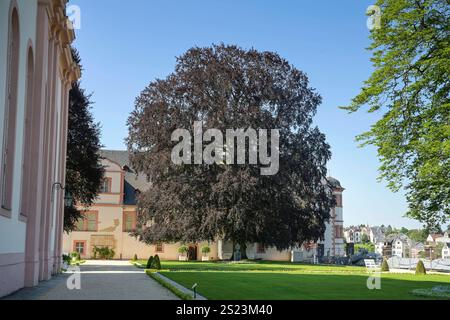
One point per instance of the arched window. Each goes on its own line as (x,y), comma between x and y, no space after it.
(9,133)
(28,136)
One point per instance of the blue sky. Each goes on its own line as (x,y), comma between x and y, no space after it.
(125,45)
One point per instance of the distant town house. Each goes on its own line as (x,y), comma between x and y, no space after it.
(444,239)
(417,250)
(434,243)
(401,247)
(377,234)
(398,245)
(356,234)
(431,239)
(446,251)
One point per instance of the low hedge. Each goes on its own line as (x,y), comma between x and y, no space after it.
(150,262)
(385,266)
(420,268)
(180,294)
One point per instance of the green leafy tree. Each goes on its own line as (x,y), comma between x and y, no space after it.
(432,228)
(84,172)
(183,250)
(206,250)
(369,247)
(410,88)
(417,235)
(389,230)
(365,238)
(438,250)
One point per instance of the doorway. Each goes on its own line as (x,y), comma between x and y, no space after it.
(192,253)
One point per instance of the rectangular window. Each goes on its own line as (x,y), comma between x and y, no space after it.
(338,198)
(106,185)
(129,221)
(89,222)
(80,247)
(10,116)
(79,226)
(260,248)
(159,248)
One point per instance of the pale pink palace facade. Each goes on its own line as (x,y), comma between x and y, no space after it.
(36,72)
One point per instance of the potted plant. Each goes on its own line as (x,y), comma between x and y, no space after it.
(183,250)
(205,253)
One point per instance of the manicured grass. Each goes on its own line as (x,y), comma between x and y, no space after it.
(165,284)
(262,280)
(261,285)
(254,266)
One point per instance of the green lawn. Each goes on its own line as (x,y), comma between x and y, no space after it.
(254,266)
(261,285)
(289,281)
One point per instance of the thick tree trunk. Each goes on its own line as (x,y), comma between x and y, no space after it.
(232,251)
(244,251)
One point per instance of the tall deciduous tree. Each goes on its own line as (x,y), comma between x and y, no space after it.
(84,172)
(410,87)
(227,87)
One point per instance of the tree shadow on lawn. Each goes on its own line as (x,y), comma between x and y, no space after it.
(300,286)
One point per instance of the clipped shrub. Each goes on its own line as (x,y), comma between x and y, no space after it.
(206,250)
(156,263)
(135,258)
(420,268)
(75,256)
(183,250)
(104,253)
(66,258)
(385,266)
(149,262)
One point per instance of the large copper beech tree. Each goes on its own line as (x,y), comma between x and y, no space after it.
(227,87)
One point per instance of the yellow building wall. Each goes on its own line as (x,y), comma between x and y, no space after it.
(110,223)
(273,254)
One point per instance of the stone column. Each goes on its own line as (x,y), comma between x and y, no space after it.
(33,233)
(59,228)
